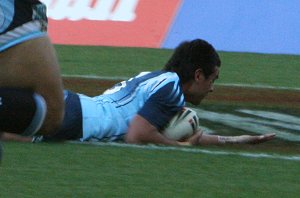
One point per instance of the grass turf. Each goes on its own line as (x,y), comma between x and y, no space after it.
(67,170)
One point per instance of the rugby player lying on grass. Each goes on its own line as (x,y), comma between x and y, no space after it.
(139,109)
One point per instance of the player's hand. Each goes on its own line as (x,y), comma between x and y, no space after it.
(261,138)
(193,140)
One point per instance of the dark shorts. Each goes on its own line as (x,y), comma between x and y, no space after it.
(71,128)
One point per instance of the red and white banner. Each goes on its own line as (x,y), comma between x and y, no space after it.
(142,23)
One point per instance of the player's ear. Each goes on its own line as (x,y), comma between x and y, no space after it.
(198,75)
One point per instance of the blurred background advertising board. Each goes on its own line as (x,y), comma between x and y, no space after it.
(263,26)
(260,26)
(141,23)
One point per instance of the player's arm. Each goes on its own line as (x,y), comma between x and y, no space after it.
(141,131)
(186,123)
(4,136)
(206,139)
(166,99)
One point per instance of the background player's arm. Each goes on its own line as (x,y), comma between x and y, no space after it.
(141,131)
(14,137)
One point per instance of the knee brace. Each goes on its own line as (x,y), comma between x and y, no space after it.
(21,111)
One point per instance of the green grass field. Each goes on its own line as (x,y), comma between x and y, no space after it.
(76,170)
(67,170)
(237,68)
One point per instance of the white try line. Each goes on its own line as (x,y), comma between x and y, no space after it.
(120,78)
(194,150)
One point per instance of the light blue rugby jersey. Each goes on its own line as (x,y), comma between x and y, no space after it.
(156,96)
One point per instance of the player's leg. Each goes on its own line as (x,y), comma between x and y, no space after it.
(21,111)
(71,127)
(32,65)
(28,60)
(49,84)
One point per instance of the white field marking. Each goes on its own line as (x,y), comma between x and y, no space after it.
(273,115)
(257,86)
(274,121)
(248,124)
(194,150)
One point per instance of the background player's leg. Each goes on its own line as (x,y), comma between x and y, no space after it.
(21,111)
(36,68)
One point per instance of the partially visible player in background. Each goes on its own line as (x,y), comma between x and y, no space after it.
(31,89)
(138,110)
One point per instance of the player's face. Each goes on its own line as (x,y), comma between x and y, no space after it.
(200,86)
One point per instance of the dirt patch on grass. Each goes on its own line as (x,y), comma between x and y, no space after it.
(90,87)
(225,94)
(258,95)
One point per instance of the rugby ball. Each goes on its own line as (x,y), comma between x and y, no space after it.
(183,125)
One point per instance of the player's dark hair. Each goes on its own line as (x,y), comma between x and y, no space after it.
(192,55)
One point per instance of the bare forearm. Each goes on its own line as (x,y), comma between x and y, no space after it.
(153,137)
(14,137)
(236,139)
(208,140)
(142,132)
(243,139)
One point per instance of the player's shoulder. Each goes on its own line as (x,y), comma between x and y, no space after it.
(164,76)
(164,84)
(170,78)
(171,75)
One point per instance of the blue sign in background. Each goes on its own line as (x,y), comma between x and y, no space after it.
(264,26)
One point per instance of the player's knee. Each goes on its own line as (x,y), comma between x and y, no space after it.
(54,118)
(21,111)
(52,125)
